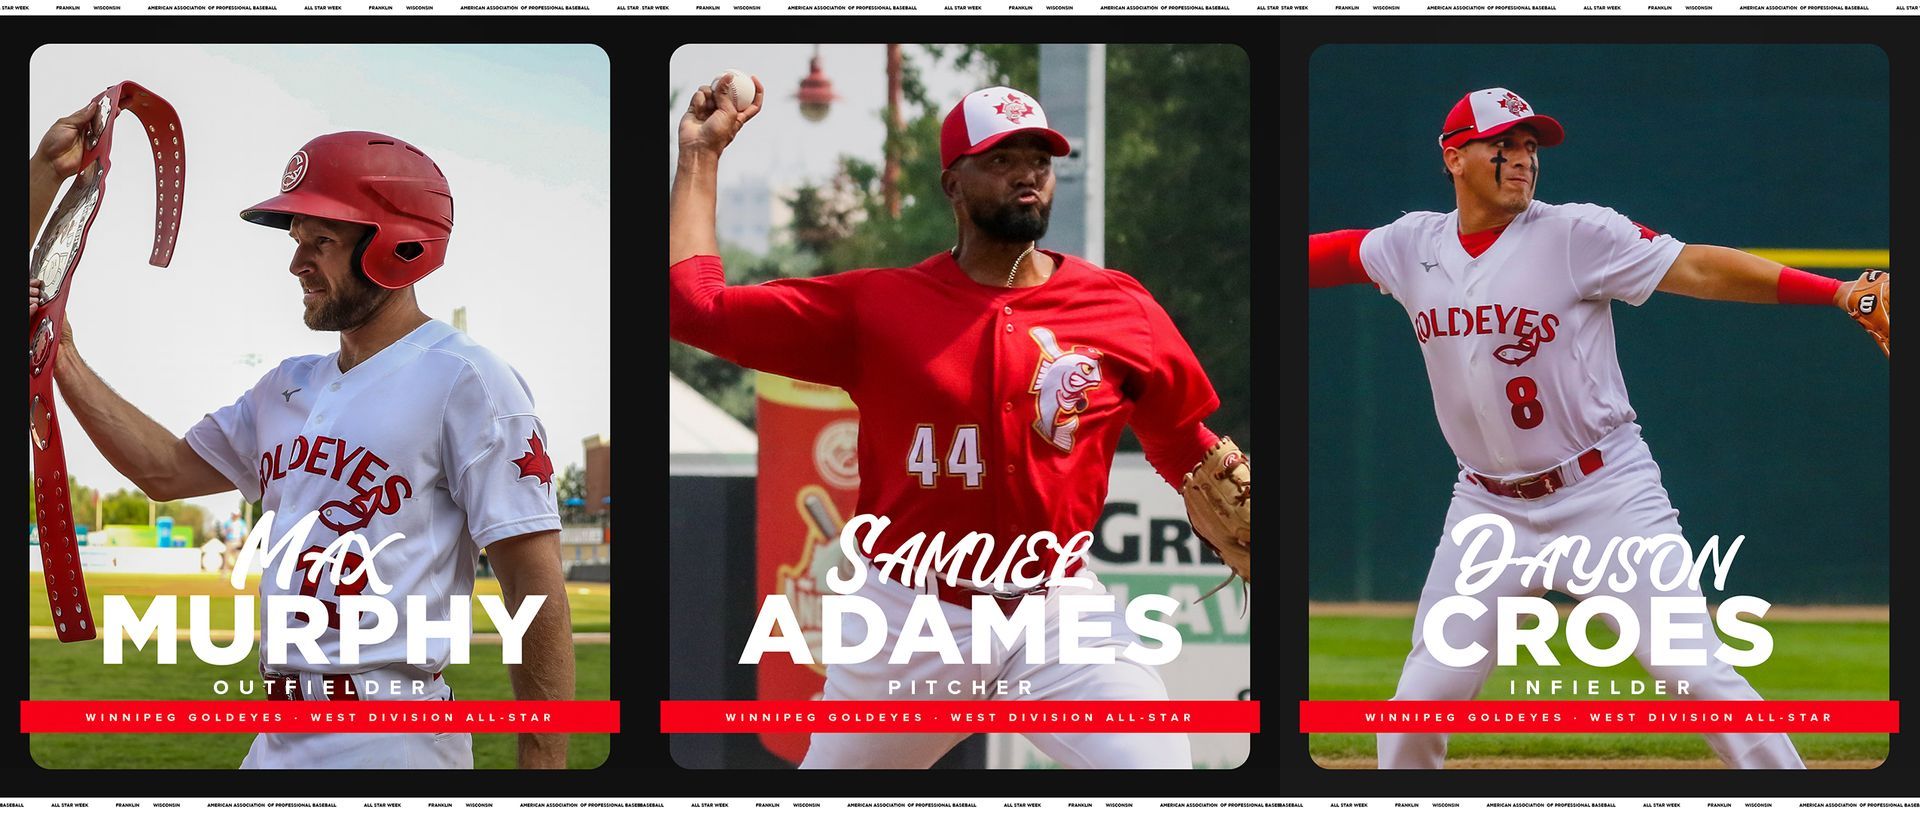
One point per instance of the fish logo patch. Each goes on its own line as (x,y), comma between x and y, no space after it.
(1061,383)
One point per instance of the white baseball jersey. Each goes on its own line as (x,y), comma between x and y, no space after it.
(1519,341)
(433,437)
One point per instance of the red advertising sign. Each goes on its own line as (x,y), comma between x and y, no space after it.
(808,479)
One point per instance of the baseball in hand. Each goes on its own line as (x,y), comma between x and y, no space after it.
(736,82)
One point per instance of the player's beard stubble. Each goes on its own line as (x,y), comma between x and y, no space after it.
(345,307)
(1012,222)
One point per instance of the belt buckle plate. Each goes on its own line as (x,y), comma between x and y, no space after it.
(281,685)
(1518,486)
(1009,593)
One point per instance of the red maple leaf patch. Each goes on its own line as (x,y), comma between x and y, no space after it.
(1646,233)
(1014,108)
(535,462)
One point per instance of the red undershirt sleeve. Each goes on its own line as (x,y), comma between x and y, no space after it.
(799,328)
(1333,258)
(1174,451)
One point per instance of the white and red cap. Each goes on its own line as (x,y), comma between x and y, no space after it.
(1488,113)
(986,117)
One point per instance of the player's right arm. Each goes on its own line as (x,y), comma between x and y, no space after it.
(1333,258)
(159,463)
(709,125)
(798,328)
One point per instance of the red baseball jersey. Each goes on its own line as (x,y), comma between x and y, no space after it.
(981,408)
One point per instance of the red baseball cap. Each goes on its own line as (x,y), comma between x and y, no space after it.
(1488,113)
(986,117)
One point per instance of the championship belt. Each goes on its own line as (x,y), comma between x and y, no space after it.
(55,260)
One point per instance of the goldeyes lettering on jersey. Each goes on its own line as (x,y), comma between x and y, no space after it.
(1530,328)
(360,471)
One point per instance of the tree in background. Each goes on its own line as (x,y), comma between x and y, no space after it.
(823,216)
(82,498)
(123,507)
(925,225)
(1178,192)
(572,483)
(129,507)
(1192,249)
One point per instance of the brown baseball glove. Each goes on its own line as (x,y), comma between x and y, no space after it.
(1218,493)
(1870,302)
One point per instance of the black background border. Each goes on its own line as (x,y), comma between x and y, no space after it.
(1278,49)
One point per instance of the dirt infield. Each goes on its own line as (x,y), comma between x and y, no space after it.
(1811,612)
(1539,764)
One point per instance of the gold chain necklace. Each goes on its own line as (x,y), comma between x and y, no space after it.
(1016,264)
(1011,272)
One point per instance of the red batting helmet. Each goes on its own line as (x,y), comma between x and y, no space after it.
(374,180)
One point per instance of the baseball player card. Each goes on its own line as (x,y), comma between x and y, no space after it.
(951,488)
(1659,374)
(386,415)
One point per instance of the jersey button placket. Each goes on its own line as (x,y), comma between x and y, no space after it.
(318,419)
(1006,357)
(1007,406)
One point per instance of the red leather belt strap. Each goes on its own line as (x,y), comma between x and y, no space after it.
(1535,486)
(56,258)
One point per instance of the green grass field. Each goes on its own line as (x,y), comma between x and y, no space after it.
(76,671)
(1358,657)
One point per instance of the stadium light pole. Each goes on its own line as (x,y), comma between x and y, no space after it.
(1073,86)
(890,175)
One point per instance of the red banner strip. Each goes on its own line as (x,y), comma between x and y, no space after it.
(311,717)
(1599,716)
(974,716)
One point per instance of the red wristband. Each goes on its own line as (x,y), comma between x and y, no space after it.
(1798,287)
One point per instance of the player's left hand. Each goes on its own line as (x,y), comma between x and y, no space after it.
(1869,300)
(1219,497)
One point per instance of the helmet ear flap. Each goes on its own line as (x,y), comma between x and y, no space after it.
(393,262)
